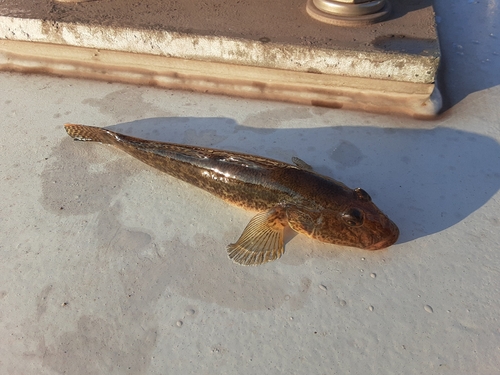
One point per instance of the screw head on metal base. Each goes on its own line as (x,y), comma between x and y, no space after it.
(349,12)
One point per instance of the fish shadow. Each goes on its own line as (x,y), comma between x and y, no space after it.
(425,180)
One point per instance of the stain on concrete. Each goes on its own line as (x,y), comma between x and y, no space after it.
(114,237)
(347,154)
(81,178)
(205,137)
(202,271)
(126,104)
(298,300)
(41,304)
(269,120)
(101,346)
(121,342)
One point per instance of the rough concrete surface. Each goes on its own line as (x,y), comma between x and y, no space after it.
(276,34)
(110,267)
(281,21)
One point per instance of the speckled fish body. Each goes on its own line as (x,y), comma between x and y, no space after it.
(284,194)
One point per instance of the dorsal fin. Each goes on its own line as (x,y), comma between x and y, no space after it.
(301,164)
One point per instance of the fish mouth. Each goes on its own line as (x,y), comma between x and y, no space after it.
(380,245)
(387,241)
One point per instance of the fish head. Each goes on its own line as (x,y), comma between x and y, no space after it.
(356,222)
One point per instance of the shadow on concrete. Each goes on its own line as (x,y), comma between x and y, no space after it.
(470,61)
(401,7)
(426,180)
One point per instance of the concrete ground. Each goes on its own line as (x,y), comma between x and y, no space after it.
(110,267)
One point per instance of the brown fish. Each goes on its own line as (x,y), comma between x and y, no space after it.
(284,195)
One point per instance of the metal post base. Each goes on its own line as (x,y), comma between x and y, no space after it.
(354,13)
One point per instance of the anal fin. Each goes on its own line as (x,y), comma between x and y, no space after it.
(262,239)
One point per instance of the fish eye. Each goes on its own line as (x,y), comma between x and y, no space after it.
(362,195)
(353,217)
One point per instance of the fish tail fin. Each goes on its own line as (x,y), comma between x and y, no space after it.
(90,133)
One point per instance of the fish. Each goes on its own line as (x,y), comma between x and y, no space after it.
(284,195)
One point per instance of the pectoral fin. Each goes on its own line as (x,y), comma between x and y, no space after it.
(262,239)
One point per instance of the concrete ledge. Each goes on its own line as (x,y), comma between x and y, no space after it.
(347,62)
(255,49)
(374,95)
